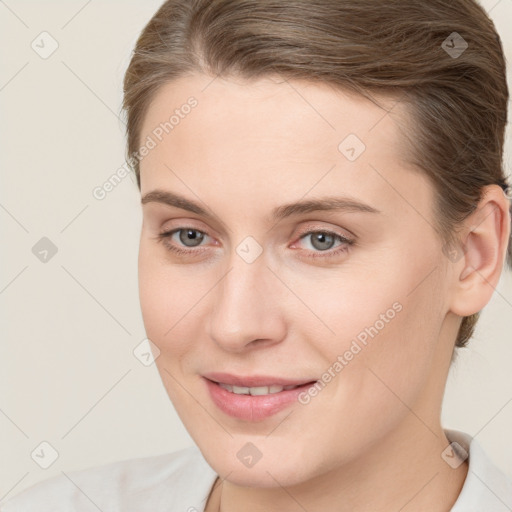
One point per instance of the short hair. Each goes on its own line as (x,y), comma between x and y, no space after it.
(442,60)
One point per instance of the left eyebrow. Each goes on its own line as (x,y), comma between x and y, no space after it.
(330,203)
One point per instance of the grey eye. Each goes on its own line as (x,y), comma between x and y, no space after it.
(190,237)
(322,241)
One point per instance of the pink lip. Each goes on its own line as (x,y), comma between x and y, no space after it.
(253,408)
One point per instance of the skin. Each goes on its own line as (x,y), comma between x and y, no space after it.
(371,440)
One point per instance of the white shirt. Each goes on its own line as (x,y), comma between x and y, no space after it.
(181,482)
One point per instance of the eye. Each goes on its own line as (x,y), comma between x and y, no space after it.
(322,241)
(188,236)
(187,240)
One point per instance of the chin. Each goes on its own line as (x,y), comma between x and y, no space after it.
(255,462)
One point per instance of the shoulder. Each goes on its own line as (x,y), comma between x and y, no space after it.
(486,486)
(176,481)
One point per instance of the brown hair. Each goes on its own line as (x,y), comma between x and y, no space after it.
(442,60)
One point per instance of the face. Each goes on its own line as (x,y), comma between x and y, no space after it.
(290,276)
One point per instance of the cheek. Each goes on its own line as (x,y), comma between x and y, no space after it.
(170,298)
(398,360)
(382,321)
(161,297)
(353,304)
(152,294)
(162,306)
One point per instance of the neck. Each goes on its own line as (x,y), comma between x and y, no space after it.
(403,471)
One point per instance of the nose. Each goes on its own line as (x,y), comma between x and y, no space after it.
(247,313)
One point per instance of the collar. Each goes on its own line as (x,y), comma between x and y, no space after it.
(486,487)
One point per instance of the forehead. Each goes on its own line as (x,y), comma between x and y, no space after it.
(271,108)
(291,137)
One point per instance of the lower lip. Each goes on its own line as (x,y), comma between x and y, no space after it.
(253,408)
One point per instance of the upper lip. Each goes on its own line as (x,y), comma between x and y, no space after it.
(251,381)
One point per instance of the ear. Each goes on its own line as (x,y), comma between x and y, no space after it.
(485,236)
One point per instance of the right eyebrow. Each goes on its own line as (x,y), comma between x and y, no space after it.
(171,199)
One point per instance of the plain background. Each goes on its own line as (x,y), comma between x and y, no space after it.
(68,375)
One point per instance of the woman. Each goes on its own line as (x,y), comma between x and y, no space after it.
(325,214)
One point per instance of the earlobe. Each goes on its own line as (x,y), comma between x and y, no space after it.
(485,245)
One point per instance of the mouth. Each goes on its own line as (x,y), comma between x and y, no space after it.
(254,398)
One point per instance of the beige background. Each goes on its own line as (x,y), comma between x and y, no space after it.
(68,375)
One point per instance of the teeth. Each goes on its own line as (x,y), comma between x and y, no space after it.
(263,390)
(255,391)
(240,390)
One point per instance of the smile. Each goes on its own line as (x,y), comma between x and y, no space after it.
(255,391)
(253,398)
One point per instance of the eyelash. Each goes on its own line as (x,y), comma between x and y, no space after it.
(328,253)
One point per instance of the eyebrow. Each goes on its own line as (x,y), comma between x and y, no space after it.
(329,203)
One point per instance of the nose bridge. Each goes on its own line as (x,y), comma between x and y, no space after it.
(245,305)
